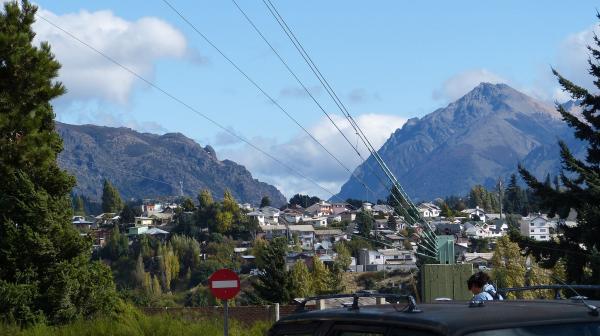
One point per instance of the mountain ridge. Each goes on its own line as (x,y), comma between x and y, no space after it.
(146,165)
(476,139)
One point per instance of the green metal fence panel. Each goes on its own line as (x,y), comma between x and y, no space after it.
(445,281)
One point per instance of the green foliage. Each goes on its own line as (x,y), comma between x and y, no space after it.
(344,258)
(45,270)
(131,322)
(168,265)
(188,204)
(446,211)
(111,200)
(265,201)
(580,186)
(364,222)
(116,247)
(481,197)
(320,276)
(508,264)
(187,250)
(479,245)
(129,212)
(272,285)
(515,199)
(354,203)
(300,280)
(392,223)
(78,206)
(304,200)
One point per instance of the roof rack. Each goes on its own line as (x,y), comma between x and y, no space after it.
(593,310)
(411,306)
(556,289)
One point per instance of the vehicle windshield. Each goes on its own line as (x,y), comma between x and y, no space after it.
(579,329)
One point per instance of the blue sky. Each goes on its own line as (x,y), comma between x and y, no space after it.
(388,60)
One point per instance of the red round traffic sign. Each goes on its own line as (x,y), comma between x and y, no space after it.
(224,284)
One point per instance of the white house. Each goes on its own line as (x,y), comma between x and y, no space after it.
(143,221)
(429,210)
(476,214)
(266,216)
(305,233)
(536,227)
(317,222)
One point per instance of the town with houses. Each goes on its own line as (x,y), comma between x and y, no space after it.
(315,229)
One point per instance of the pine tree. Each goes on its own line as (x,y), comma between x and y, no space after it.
(265,201)
(515,198)
(364,222)
(580,185)
(111,200)
(272,285)
(392,223)
(188,204)
(45,268)
(79,208)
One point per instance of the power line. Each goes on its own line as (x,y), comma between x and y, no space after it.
(295,76)
(413,212)
(257,86)
(187,106)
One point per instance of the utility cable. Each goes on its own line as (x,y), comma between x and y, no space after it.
(257,86)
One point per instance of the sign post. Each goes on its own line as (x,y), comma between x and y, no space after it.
(224,284)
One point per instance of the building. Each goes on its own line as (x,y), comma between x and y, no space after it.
(537,228)
(318,222)
(143,221)
(266,215)
(305,234)
(429,210)
(319,209)
(330,235)
(476,214)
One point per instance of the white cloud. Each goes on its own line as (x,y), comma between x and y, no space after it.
(573,55)
(309,158)
(460,84)
(135,44)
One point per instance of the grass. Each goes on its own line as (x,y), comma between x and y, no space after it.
(132,322)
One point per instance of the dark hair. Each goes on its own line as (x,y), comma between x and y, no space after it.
(478,279)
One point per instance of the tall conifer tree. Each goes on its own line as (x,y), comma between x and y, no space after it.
(580,186)
(45,268)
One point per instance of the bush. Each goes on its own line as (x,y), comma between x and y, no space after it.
(131,321)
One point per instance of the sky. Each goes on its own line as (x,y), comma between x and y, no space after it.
(388,61)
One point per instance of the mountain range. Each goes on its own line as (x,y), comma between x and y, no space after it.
(144,165)
(477,139)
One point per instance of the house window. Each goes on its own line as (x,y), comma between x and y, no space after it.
(531,236)
(542,237)
(542,230)
(378,257)
(532,230)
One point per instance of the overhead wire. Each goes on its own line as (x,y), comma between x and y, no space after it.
(299,81)
(412,211)
(187,106)
(298,45)
(257,86)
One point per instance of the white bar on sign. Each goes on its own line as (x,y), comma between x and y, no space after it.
(225,284)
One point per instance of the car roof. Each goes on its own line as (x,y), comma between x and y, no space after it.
(456,317)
